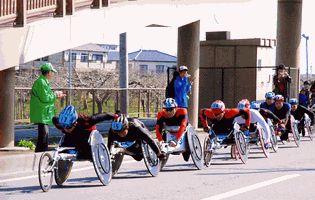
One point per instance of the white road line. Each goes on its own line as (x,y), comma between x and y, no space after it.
(251,187)
(36,176)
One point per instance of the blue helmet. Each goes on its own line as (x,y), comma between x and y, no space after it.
(169,103)
(254,105)
(293,101)
(270,95)
(68,117)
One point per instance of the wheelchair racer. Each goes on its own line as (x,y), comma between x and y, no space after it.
(131,132)
(222,118)
(267,114)
(282,111)
(298,112)
(255,117)
(77,129)
(171,115)
(268,104)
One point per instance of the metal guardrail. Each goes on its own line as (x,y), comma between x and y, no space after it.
(143,102)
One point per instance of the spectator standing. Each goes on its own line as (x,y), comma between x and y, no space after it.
(303,100)
(307,90)
(281,81)
(42,108)
(182,87)
(170,89)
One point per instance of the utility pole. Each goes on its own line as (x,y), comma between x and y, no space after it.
(307,38)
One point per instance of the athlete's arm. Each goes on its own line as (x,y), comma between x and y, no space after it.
(159,124)
(268,114)
(55,120)
(102,117)
(181,113)
(144,134)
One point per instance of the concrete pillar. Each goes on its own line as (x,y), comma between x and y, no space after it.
(123,56)
(188,54)
(289,39)
(7,93)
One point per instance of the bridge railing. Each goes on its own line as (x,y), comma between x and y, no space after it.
(143,102)
(17,11)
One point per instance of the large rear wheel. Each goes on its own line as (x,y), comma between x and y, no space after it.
(102,163)
(295,132)
(45,171)
(273,140)
(262,141)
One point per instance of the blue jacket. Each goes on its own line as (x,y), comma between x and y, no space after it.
(303,100)
(182,88)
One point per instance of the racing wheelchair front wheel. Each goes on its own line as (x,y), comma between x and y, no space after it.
(45,171)
(208,151)
(242,146)
(62,171)
(273,140)
(150,159)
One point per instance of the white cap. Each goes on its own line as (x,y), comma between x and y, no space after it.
(182,68)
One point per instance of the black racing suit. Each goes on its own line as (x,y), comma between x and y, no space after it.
(79,137)
(267,114)
(284,115)
(137,132)
(298,114)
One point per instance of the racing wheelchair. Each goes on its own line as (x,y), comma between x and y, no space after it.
(60,164)
(119,150)
(294,130)
(235,138)
(188,143)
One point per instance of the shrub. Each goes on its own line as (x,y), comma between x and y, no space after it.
(26,143)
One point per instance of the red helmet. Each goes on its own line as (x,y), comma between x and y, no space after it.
(244,103)
(217,107)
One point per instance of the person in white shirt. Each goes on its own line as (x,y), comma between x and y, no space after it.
(255,117)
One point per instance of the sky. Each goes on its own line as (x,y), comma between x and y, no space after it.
(249,19)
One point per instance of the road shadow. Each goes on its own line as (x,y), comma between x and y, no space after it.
(179,167)
(133,174)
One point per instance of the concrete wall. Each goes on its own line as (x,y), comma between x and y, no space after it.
(228,73)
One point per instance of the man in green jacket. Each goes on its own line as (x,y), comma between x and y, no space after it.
(42,108)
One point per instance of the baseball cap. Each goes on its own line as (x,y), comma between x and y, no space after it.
(47,67)
(183,68)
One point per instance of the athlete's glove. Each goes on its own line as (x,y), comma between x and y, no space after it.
(161,156)
(244,128)
(173,143)
(206,129)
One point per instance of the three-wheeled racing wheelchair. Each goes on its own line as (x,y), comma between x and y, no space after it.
(60,164)
(235,138)
(189,143)
(119,150)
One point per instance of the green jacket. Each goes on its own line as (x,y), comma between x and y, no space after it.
(42,108)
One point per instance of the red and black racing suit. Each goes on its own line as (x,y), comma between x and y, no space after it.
(225,125)
(267,114)
(79,137)
(179,119)
(137,132)
(284,115)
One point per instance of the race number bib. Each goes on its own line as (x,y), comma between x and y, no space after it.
(116,126)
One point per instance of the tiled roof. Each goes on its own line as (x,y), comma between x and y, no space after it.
(144,55)
(90,47)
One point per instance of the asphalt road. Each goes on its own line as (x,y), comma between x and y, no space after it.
(288,174)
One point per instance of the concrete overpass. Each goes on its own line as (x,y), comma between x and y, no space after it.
(70,28)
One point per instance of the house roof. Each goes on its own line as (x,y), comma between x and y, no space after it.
(144,55)
(90,47)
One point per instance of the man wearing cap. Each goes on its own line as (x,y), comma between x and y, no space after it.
(182,87)
(281,81)
(42,108)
